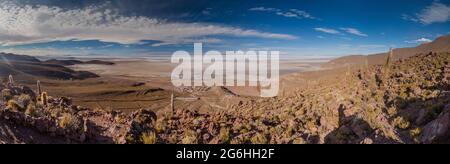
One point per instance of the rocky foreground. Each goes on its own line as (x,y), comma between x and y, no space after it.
(407,101)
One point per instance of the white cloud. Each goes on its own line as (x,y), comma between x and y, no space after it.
(184,41)
(302,13)
(264,9)
(327,30)
(435,13)
(409,18)
(292,13)
(25,24)
(354,31)
(419,41)
(287,14)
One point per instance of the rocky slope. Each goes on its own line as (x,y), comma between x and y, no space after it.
(406,101)
(440,45)
(402,102)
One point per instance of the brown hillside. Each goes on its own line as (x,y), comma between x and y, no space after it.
(441,44)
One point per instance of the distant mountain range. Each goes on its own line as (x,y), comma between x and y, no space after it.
(12,64)
(74,62)
(441,44)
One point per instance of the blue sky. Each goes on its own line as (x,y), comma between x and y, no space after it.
(304,28)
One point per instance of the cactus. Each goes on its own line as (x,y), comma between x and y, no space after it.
(387,65)
(172,105)
(366,63)
(44,98)
(348,70)
(389,57)
(39,91)
(11,80)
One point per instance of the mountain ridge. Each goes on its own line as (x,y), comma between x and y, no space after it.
(441,44)
(28,66)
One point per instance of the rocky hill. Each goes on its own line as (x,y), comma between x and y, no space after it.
(441,44)
(404,101)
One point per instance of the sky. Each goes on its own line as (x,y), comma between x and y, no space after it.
(145,28)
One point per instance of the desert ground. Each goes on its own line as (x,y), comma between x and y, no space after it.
(129,85)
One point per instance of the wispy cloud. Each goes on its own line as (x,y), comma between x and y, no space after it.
(327,30)
(354,31)
(435,13)
(340,31)
(264,9)
(291,13)
(185,41)
(26,24)
(419,41)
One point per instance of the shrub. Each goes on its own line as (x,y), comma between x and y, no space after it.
(190,137)
(13,105)
(401,123)
(70,122)
(130,139)
(31,110)
(6,94)
(392,111)
(224,135)
(24,100)
(172,139)
(161,125)
(299,141)
(259,138)
(415,132)
(148,138)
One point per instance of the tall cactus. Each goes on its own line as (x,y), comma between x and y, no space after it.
(11,80)
(172,105)
(366,63)
(389,57)
(39,91)
(44,98)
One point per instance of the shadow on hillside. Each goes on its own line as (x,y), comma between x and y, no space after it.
(10,133)
(354,130)
(419,113)
(95,134)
